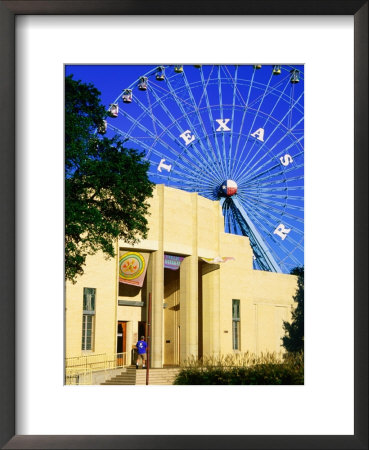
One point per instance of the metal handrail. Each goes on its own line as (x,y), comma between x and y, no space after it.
(82,367)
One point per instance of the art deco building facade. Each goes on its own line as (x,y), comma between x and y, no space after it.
(201,308)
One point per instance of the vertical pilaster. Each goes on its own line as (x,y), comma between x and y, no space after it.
(211,296)
(211,309)
(157,263)
(189,295)
(189,308)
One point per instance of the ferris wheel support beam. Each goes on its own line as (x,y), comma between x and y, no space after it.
(266,256)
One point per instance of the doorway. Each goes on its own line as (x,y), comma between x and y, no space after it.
(121,343)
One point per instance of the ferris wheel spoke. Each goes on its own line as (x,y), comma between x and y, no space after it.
(218,157)
(242,178)
(267,153)
(271,201)
(244,116)
(274,176)
(294,202)
(274,200)
(280,155)
(185,103)
(234,81)
(254,120)
(178,179)
(196,109)
(193,178)
(265,225)
(269,115)
(263,127)
(297,245)
(222,117)
(202,156)
(279,187)
(180,103)
(194,175)
(272,188)
(268,175)
(275,129)
(138,124)
(149,149)
(203,84)
(283,212)
(154,119)
(281,204)
(272,90)
(275,192)
(292,95)
(261,144)
(151,112)
(273,221)
(282,248)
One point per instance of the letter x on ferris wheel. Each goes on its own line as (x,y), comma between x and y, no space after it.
(232,133)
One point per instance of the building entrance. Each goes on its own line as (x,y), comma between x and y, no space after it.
(121,342)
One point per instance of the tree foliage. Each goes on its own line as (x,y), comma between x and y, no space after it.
(293,341)
(106,185)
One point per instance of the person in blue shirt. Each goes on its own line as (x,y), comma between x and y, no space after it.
(141,352)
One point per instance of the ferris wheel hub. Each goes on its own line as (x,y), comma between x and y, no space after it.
(228,188)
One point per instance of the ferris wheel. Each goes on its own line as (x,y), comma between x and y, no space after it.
(232,133)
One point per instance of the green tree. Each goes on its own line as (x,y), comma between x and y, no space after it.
(293,341)
(106,185)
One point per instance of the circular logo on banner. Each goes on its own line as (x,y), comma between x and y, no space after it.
(131,265)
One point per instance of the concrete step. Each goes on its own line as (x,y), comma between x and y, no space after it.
(157,376)
(133,376)
(126,377)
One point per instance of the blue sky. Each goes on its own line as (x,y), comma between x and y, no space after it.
(108,79)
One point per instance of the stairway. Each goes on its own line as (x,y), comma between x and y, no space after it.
(157,376)
(126,377)
(133,376)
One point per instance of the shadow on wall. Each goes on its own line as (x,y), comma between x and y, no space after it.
(126,290)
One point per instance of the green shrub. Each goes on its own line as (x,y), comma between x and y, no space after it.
(247,369)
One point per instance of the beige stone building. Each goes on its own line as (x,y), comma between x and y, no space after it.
(200,309)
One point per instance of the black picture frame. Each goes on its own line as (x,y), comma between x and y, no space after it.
(8,12)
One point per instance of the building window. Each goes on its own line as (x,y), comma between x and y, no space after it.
(236,324)
(88,320)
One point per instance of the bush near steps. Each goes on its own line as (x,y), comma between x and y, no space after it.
(270,370)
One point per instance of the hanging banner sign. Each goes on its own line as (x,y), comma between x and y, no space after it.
(172,262)
(218,259)
(132,267)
